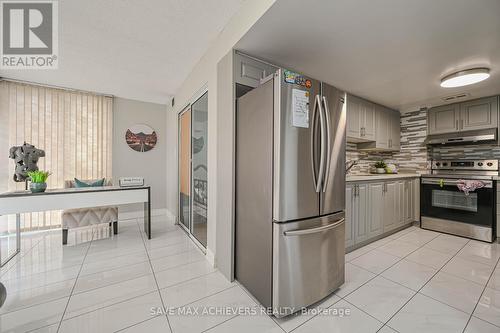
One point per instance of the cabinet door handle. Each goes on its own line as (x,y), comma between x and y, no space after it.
(456,125)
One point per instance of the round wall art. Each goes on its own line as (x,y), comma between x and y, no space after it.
(141,137)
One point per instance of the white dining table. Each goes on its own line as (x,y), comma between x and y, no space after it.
(19,202)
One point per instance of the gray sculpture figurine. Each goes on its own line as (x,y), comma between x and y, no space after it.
(26,159)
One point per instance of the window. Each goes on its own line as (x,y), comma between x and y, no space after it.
(74,128)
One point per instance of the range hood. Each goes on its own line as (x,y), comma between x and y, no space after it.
(462,137)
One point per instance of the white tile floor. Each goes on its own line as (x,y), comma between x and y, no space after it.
(412,281)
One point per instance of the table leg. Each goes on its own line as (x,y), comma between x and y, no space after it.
(18,242)
(147,215)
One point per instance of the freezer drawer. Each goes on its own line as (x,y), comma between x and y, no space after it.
(308,261)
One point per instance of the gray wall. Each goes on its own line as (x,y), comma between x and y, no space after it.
(151,165)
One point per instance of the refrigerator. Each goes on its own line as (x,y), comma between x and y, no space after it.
(290,191)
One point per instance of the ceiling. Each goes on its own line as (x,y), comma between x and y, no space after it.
(135,49)
(393,52)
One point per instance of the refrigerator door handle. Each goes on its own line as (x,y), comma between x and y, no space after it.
(321,173)
(314,230)
(313,137)
(328,142)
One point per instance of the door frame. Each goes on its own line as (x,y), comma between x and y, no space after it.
(179,115)
(188,107)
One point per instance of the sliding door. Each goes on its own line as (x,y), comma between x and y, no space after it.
(199,137)
(193,172)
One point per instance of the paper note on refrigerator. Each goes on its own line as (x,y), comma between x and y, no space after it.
(300,108)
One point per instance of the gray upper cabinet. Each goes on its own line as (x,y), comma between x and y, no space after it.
(443,119)
(369,117)
(471,115)
(361,120)
(394,130)
(353,118)
(479,114)
(383,126)
(249,72)
(388,134)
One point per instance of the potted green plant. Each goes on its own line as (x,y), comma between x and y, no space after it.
(38,180)
(380,166)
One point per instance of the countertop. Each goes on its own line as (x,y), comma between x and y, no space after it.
(383,176)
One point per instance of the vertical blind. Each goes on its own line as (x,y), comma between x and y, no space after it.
(74,128)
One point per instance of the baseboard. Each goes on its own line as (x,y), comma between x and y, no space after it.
(210,257)
(140,213)
(170,215)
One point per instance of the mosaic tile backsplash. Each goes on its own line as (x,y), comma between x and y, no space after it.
(414,155)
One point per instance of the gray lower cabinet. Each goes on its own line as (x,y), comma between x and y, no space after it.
(361,213)
(356,213)
(374,208)
(398,204)
(390,197)
(349,218)
(415,199)
(476,114)
(408,201)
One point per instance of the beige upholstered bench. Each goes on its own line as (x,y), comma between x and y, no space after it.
(83,217)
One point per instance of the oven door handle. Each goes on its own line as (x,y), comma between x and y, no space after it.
(451,182)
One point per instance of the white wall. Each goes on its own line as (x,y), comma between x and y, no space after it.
(205,73)
(152,165)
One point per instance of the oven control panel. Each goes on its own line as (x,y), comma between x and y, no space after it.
(465,165)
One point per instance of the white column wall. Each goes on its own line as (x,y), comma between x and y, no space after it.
(220,190)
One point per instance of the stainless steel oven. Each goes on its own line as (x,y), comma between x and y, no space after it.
(445,208)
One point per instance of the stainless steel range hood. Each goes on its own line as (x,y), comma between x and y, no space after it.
(462,137)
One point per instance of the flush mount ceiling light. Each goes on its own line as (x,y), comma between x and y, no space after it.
(465,77)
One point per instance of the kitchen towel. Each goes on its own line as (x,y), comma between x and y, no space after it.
(467,186)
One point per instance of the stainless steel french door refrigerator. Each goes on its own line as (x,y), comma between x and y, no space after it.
(290,191)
